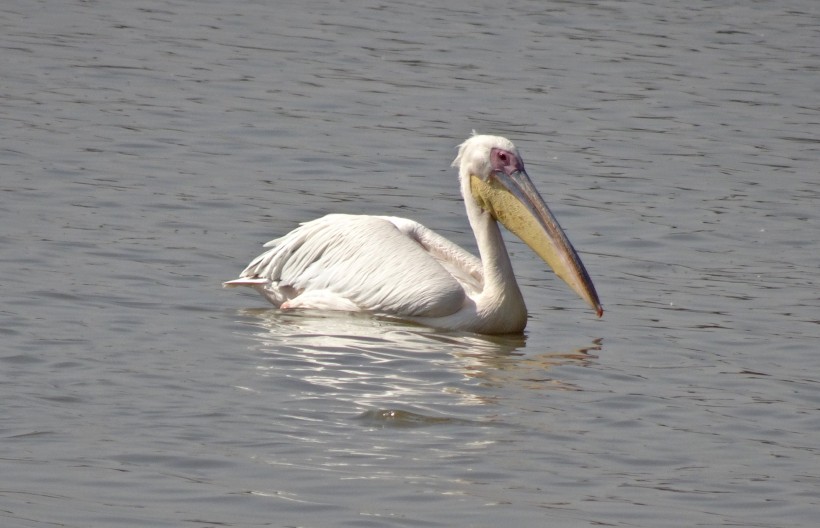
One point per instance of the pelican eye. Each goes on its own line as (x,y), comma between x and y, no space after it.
(505,161)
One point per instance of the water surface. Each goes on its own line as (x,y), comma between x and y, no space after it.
(150,148)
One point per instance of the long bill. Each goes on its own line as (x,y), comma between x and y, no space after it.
(513,201)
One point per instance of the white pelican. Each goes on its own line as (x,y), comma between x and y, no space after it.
(395,266)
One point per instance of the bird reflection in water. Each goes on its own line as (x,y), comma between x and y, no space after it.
(396,374)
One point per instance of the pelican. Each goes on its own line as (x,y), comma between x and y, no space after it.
(397,267)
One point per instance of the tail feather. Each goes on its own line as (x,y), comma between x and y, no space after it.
(245,281)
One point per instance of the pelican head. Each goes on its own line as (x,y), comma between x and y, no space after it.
(493,177)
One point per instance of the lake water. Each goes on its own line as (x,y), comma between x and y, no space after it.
(150,147)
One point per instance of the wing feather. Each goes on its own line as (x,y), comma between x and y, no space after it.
(378,264)
(465,267)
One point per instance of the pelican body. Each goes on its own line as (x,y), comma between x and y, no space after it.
(394,266)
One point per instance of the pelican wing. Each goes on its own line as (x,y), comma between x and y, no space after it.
(368,263)
(462,265)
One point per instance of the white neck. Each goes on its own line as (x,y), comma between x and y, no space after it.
(500,300)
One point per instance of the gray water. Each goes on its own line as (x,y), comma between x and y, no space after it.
(150,147)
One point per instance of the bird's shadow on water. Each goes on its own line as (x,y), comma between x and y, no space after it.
(411,356)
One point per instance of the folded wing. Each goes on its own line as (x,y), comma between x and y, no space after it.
(365,263)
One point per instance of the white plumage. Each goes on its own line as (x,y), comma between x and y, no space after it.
(395,266)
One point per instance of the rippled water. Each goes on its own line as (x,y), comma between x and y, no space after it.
(149,148)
